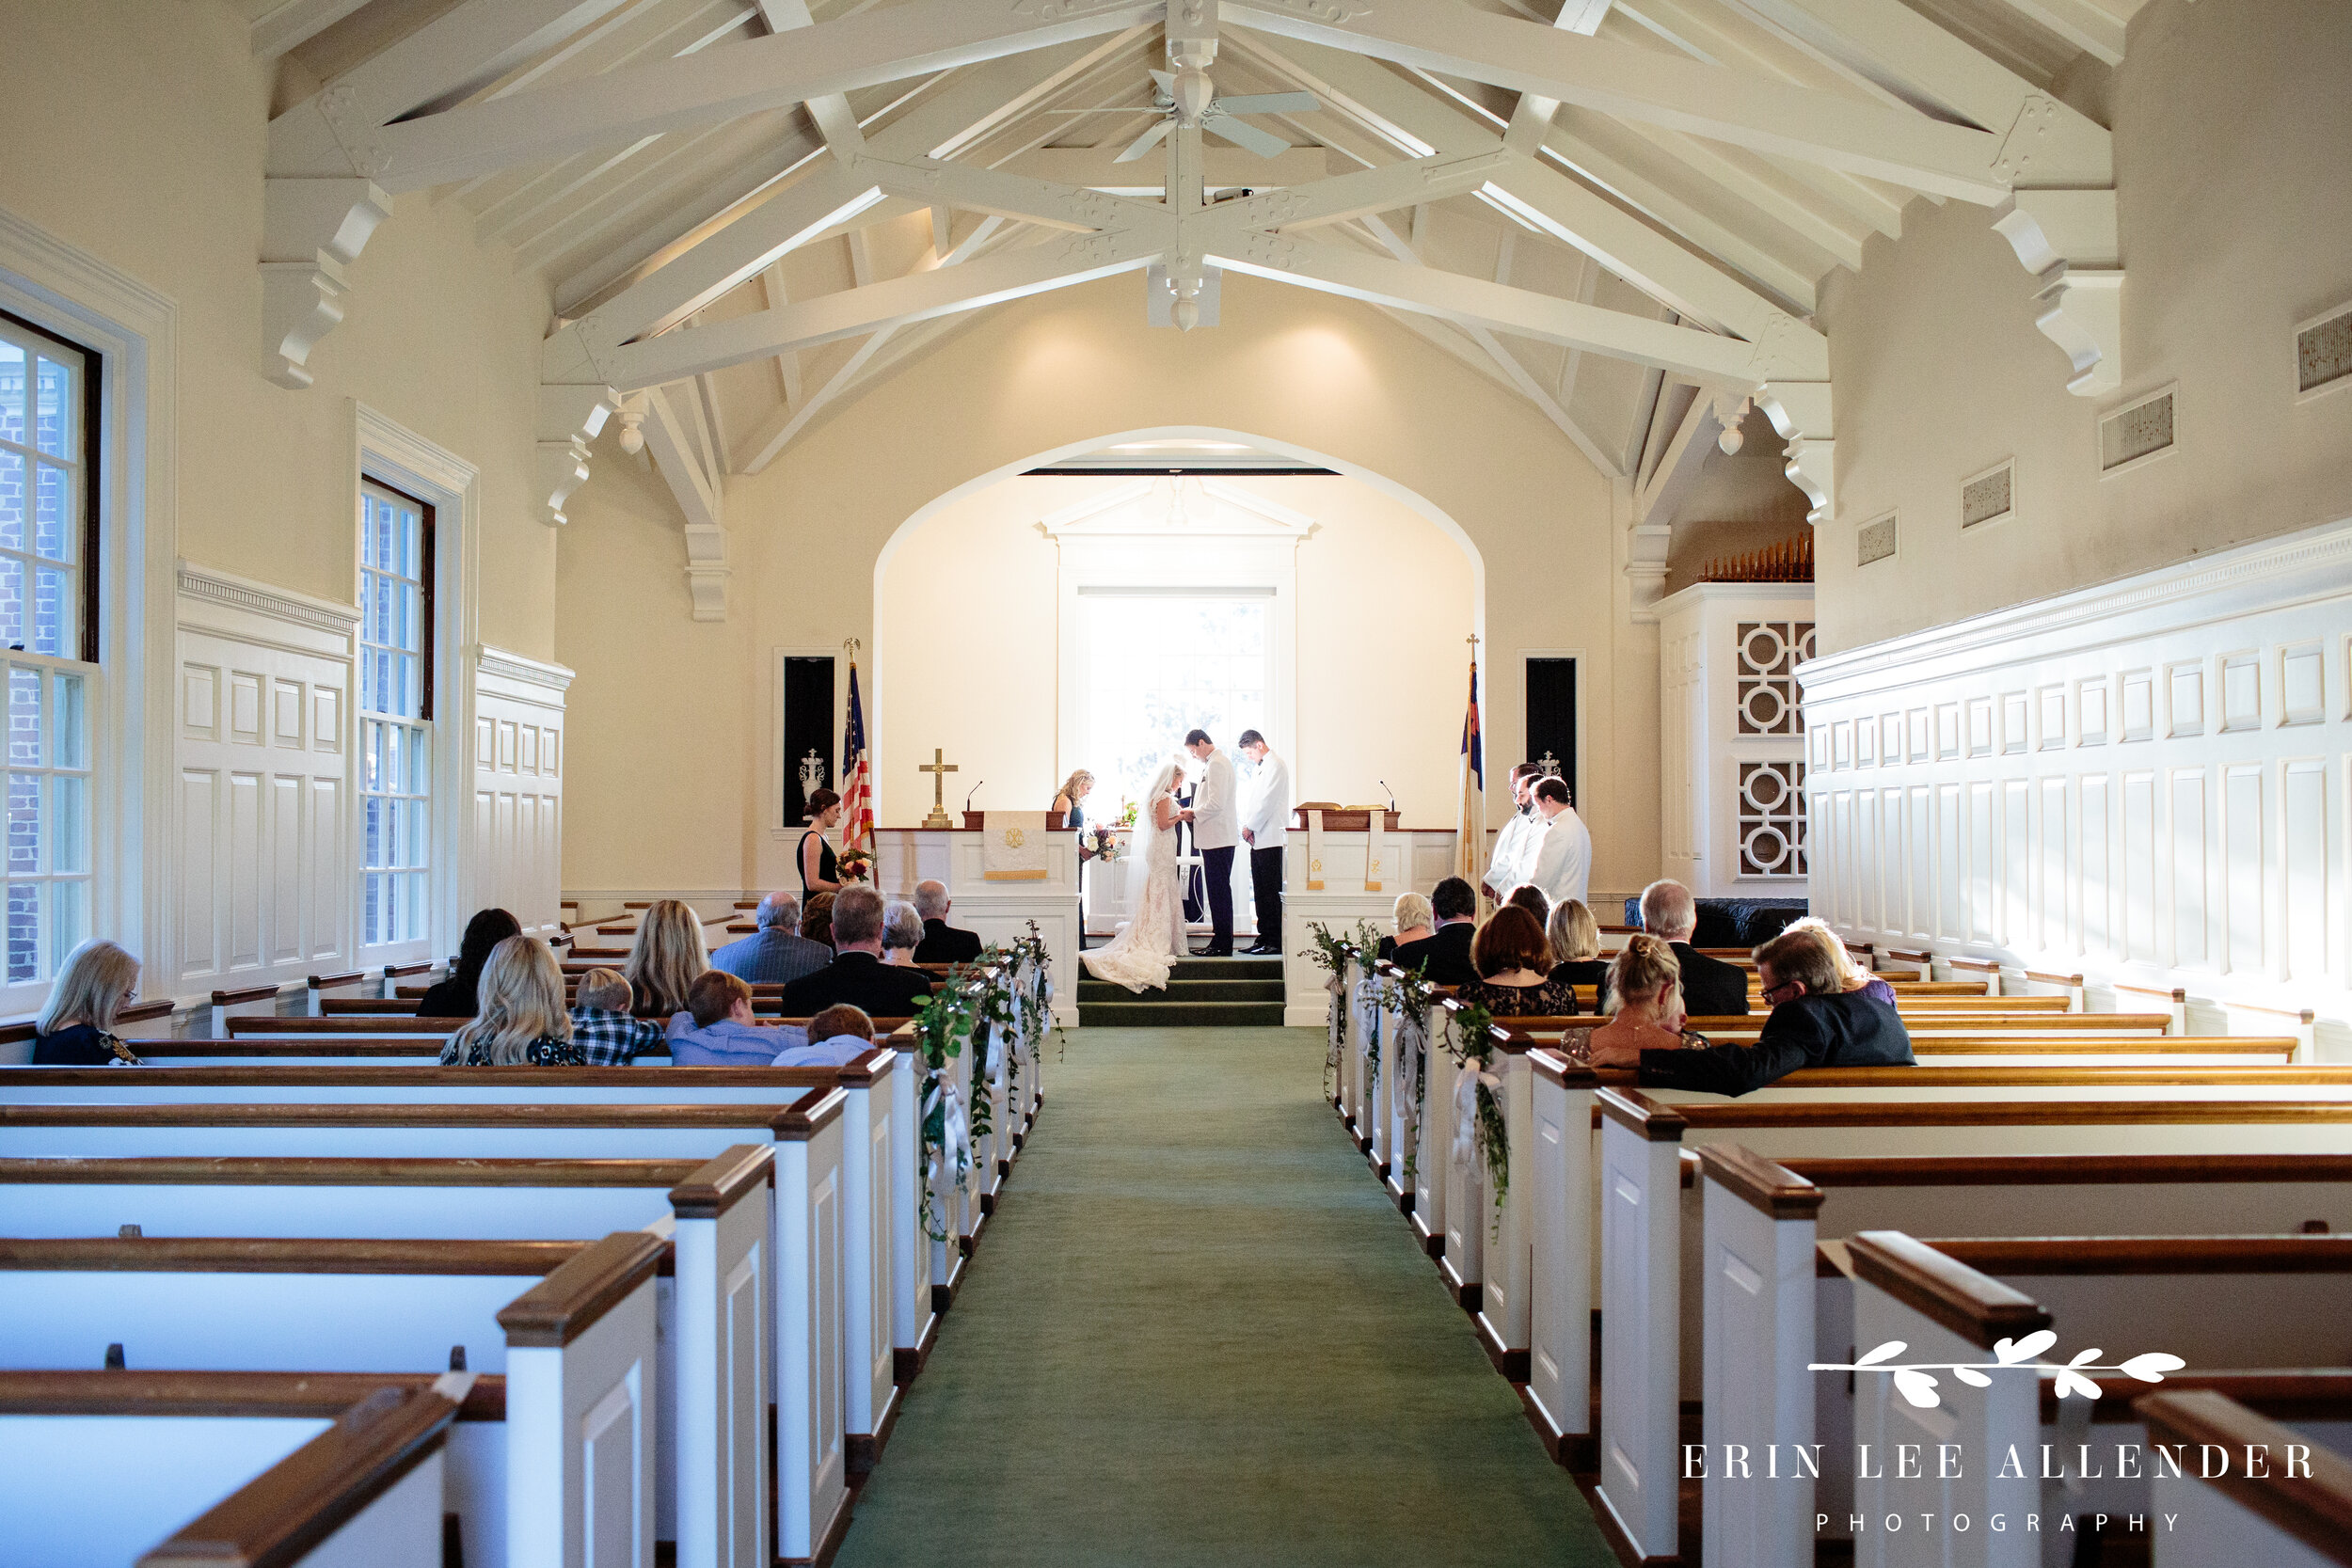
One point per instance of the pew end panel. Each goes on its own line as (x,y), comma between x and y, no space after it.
(582,1389)
(2278,1518)
(1560,1287)
(725,1217)
(1641,1252)
(812,1458)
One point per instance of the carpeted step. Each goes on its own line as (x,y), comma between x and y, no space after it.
(1183,990)
(1227,969)
(1132,1014)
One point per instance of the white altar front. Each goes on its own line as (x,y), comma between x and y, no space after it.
(999,912)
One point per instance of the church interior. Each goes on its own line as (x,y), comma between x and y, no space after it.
(1147,782)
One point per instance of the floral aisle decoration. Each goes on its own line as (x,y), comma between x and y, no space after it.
(1365,951)
(1480,1132)
(943,1028)
(1410,996)
(1332,954)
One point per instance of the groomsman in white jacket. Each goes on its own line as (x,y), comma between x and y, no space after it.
(1264,823)
(1560,862)
(1216,817)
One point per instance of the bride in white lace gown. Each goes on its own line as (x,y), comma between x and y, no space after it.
(1139,957)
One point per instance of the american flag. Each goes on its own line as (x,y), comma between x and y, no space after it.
(858,776)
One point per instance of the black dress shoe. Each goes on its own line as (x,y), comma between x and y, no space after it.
(1213,951)
(1262,950)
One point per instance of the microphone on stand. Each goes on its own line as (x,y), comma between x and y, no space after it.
(976,789)
(1384,785)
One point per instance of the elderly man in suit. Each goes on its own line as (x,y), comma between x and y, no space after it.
(942,944)
(1710,987)
(1216,817)
(1263,824)
(857,976)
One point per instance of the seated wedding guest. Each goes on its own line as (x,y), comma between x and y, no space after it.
(1814,1023)
(454,996)
(1850,976)
(1514,962)
(1446,951)
(836,1037)
(1527,895)
(601,1026)
(718,1009)
(1645,1003)
(857,975)
(902,934)
(942,944)
(1576,944)
(74,1026)
(1413,922)
(776,954)
(817,922)
(664,959)
(1710,987)
(521,1022)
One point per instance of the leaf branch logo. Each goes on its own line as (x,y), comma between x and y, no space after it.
(1912,1379)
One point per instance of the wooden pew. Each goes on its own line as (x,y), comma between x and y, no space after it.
(1951,1300)
(570,1324)
(1761,1224)
(856,1124)
(223,1467)
(1635,1239)
(2278,1519)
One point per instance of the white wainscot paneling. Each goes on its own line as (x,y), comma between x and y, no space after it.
(265,857)
(517,750)
(2147,782)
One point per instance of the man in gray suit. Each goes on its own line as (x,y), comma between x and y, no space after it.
(1216,817)
(776,954)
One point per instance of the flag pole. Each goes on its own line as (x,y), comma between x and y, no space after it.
(1469,836)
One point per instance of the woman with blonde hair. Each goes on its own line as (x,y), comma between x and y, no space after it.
(1068,798)
(664,959)
(1414,921)
(1575,936)
(1646,998)
(74,1028)
(1851,976)
(523,1021)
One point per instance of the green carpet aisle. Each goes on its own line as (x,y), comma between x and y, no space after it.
(1199,1334)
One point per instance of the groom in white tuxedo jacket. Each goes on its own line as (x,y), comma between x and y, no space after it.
(1263,822)
(1215,819)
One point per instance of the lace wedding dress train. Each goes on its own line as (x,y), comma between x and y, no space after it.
(1140,956)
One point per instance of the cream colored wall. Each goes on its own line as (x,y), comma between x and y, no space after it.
(1316,374)
(972,589)
(2233,135)
(135,131)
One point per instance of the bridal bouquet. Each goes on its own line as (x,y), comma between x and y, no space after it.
(1102,843)
(855,866)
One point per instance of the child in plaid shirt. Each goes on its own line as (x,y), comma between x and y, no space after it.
(602,1028)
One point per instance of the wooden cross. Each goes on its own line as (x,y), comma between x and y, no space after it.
(938,768)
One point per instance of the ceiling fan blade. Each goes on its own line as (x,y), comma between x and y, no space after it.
(1265,144)
(1144,143)
(1271,103)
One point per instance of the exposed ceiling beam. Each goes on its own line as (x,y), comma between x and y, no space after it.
(852,312)
(1634,83)
(831,112)
(2085,23)
(339,130)
(918,38)
(1533,117)
(700,496)
(1514,370)
(291,24)
(1221,168)
(1682,350)
(1677,469)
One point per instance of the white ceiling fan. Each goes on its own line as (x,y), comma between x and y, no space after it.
(1218,114)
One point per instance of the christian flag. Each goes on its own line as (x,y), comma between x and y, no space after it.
(857,777)
(1469,838)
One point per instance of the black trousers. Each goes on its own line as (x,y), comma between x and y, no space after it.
(1217,867)
(1266,881)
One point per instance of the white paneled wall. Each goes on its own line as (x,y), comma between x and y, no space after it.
(263,873)
(518,787)
(1731,743)
(2145,781)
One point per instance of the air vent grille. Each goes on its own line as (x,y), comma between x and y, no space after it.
(2130,434)
(2323,352)
(1986,497)
(1874,540)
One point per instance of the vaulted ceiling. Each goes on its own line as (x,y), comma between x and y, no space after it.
(1622,211)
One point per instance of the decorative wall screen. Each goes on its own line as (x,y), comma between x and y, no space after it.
(1769,653)
(1771,818)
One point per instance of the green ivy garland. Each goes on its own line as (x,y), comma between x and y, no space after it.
(943,1026)
(1493,1134)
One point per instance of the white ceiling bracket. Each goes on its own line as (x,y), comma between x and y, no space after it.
(571,417)
(2067,240)
(1800,411)
(311,231)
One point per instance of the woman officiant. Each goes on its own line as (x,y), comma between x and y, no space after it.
(1069,803)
